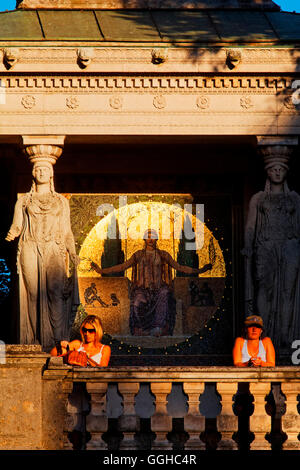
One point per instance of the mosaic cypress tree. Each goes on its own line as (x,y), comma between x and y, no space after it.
(187,257)
(112,253)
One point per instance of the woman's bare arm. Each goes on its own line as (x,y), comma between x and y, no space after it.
(270,353)
(66,346)
(237,353)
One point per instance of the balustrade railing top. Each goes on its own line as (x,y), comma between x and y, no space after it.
(171,373)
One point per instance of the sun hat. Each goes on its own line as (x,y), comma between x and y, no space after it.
(254,320)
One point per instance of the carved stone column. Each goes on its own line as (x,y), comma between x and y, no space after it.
(291,418)
(129,422)
(194,422)
(227,422)
(96,421)
(260,422)
(161,422)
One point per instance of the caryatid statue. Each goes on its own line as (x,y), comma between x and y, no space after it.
(272,251)
(48,293)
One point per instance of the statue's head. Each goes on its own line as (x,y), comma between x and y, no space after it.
(150,237)
(276,160)
(277,173)
(42,172)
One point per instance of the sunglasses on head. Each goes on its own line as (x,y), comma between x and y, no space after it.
(88,330)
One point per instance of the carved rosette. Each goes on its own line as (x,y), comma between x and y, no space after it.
(246,102)
(116,102)
(203,102)
(28,101)
(159,102)
(43,153)
(291,102)
(72,102)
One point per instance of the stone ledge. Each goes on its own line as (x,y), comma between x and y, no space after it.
(23,349)
(147,4)
(174,374)
(23,355)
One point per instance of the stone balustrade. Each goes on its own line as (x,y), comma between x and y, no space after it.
(213,419)
(48,405)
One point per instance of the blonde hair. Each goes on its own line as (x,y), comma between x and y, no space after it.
(95,321)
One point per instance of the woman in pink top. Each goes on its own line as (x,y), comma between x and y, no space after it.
(252,350)
(91,332)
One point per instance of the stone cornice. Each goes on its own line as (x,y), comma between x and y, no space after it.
(130,59)
(149,105)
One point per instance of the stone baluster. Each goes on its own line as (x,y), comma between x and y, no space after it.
(194,422)
(161,422)
(71,416)
(129,422)
(260,422)
(227,422)
(96,421)
(291,418)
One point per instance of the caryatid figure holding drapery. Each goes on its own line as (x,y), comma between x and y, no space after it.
(272,252)
(48,294)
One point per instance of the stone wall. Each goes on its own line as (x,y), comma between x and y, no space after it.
(21,398)
(32,411)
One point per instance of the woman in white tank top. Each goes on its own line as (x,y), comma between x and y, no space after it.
(252,350)
(91,332)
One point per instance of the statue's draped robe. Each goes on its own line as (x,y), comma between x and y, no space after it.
(48,296)
(277,265)
(152,305)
